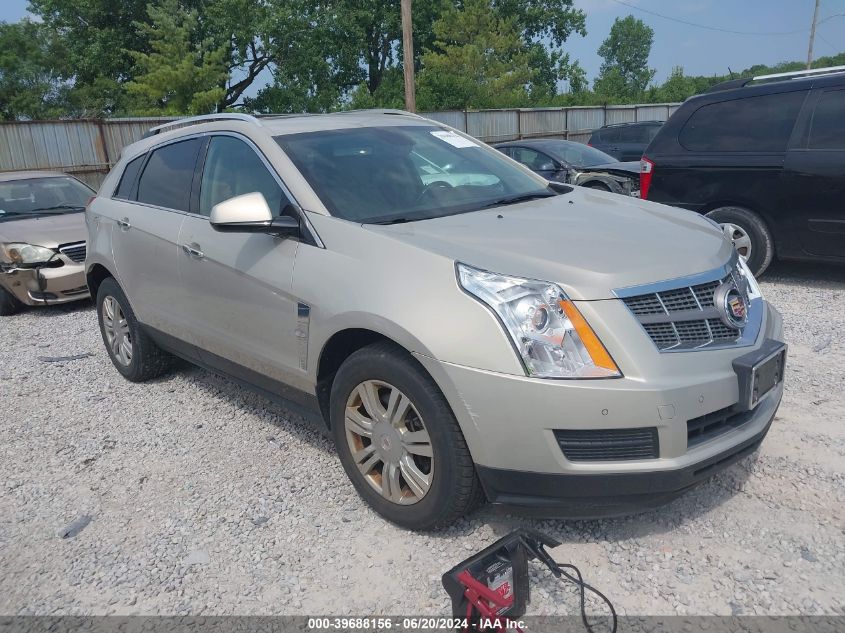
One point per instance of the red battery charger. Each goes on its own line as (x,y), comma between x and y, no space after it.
(490,591)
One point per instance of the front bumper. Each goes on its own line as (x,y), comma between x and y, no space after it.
(509,422)
(58,285)
(613,494)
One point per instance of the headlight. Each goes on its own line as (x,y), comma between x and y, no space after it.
(20,253)
(754,291)
(545,327)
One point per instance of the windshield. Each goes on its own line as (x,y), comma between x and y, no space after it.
(406,173)
(580,155)
(42,196)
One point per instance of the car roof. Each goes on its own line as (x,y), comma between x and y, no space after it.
(632,123)
(548,143)
(274,125)
(8,176)
(781,82)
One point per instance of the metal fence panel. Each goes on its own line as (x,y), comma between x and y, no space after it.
(620,114)
(534,123)
(452,118)
(493,126)
(585,119)
(652,113)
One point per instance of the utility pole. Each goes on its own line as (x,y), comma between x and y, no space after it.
(812,36)
(408,56)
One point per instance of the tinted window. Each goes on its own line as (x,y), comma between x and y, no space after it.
(828,127)
(610,135)
(753,124)
(130,174)
(166,181)
(391,173)
(633,134)
(232,168)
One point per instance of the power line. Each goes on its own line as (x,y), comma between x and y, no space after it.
(713,28)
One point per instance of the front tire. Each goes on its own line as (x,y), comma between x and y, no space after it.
(399,441)
(749,234)
(131,350)
(9,304)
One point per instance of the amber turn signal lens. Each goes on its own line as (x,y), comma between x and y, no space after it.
(594,346)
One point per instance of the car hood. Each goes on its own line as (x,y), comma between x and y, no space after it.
(46,230)
(589,242)
(627,167)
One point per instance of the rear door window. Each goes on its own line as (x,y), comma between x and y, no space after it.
(752,124)
(232,168)
(827,130)
(166,181)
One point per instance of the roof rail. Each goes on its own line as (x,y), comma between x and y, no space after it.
(801,73)
(622,123)
(203,118)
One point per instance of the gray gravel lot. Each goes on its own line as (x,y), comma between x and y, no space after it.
(206,499)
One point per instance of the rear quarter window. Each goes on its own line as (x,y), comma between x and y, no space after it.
(750,124)
(827,130)
(127,180)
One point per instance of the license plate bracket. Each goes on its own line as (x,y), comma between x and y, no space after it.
(759,372)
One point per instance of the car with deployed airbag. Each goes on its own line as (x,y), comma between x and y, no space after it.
(462,328)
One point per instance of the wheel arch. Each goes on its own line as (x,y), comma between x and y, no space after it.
(95,276)
(337,348)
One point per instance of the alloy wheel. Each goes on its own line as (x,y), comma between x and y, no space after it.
(116,329)
(389,442)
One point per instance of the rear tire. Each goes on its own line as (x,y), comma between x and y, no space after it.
(370,379)
(750,235)
(131,350)
(9,304)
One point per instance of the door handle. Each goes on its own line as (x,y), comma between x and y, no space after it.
(124,224)
(193,250)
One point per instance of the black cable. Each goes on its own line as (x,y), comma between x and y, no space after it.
(582,586)
(558,569)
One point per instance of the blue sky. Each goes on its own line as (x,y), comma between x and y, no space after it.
(700,51)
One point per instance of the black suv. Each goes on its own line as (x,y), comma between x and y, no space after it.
(763,157)
(625,141)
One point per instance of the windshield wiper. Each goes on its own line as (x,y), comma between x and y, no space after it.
(393,221)
(58,207)
(524,197)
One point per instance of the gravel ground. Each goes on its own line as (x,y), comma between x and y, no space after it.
(205,499)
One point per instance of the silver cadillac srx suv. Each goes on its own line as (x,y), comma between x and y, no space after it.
(463,328)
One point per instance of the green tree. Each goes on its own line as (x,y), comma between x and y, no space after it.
(31,83)
(544,26)
(182,74)
(625,74)
(480,61)
(97,36)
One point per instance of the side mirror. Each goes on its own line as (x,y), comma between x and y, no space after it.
(548,166)
(250,213)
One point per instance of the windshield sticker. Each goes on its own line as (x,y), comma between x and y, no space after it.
(456,140)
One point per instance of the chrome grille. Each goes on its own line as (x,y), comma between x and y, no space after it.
(75,252)
(683,316)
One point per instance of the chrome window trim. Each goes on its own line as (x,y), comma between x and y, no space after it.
(748,334)
(146,153)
